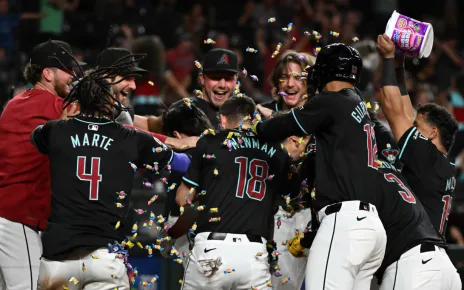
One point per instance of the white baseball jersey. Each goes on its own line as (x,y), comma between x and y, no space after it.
(20,251)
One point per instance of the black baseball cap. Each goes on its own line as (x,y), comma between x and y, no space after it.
(48,53)
(112,54)
(220,59)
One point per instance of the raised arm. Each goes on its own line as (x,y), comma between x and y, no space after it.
(391,100)
(401,79)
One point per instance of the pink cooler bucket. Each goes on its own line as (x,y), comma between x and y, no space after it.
(411,37)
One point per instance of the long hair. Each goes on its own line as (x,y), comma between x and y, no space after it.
(93,92)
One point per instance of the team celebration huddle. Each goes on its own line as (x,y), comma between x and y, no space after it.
(309,188)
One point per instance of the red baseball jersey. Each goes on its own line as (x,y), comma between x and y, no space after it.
(24,172)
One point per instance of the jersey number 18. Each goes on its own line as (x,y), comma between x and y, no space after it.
(94,178)
(255,185)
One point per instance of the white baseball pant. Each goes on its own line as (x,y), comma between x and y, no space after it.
(232,263)
(291,267)
(105,272)
(181,243)
(348,249)
(419,269)
(20,251)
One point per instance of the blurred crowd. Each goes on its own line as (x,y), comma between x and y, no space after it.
(173,34)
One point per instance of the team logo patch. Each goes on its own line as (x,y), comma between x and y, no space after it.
(390,154)
(224,59)
(93,127)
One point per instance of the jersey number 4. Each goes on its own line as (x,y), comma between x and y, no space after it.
(406,194)
(94,178)
(255,185)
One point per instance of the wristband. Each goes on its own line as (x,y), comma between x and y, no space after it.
(388,73)
(401,80)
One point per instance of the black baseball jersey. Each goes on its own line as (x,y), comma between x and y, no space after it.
(346,144)
(237,183)
(388,149)
(402,214)
(91,162)
(209,109)
(430,174)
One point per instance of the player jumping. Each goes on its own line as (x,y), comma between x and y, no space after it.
(92,161)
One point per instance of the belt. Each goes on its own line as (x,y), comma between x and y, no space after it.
(336,207)
(222,237)
(427,248)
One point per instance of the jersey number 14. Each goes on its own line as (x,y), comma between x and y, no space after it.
(94,177)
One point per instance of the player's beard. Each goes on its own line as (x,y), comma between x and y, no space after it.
(62,90)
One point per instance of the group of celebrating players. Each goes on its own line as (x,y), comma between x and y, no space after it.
(250,192)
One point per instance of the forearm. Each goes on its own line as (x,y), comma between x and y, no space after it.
(391,102)
(278,128)
(407,105)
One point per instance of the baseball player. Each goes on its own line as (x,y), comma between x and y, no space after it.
(289,91)
(429,173)
(236,178)
(92,162)
(183,119)
(24,174)
(218,77)
(346,150)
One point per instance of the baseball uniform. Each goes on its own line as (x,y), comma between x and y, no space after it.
(346,150)
(430,174)
(91,164)
(287,222)
(237,186)
(24,187)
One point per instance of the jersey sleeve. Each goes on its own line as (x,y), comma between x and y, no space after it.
(40,137)
(417,152)
(152,151)
(299,121)
(192,177)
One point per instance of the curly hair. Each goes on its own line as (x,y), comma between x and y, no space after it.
(32,73)
(303,59)
(94,92)
(439,117)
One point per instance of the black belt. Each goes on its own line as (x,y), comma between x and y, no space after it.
(427,248)
(336,207)
(222,237)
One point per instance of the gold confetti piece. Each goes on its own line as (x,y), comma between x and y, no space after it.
(118,224)
(139,244)
(94,256)
(74,280)
(181,282)
(151,83)
(65,287)
(83,267)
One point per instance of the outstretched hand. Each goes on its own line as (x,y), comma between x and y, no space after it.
(385,46)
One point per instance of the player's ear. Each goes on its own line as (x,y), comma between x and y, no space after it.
(201,79)
(433,133)
(223,120)
(47,74)
(177,135)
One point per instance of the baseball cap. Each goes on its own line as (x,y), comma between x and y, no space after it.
(112,54)
(46,54)
(220,59)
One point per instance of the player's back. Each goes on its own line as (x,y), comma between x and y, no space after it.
(346,147)
(90,163)
(240,176)
(430,174)
(402,214)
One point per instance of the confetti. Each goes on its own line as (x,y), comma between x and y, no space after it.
(209,41)
(209,156)
(133,166)
(268,283)
(245,72)
(279,222)
(272,19)
(229,271)
(153,199)
(252,50)
(213,210)
(285,280)
(181,282)
(194,228)
(215,220)
(255,78)
(355,39)
(135,227)
(151,83)
(74,280)
(94,256)
(83,267)
(119,205)
(121,195)
(197,92)
(118,224)
(203,192)
(215,172)
(198,65)
(293,39)
(307,33)
(288,28)
(335,34)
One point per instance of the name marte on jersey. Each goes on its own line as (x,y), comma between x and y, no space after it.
(359,112)
(96,140)
(252,143)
